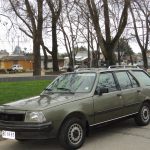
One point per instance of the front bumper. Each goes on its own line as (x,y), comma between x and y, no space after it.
(28,130)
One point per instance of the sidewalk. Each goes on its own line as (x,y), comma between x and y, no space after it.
(16,75)
(24,77)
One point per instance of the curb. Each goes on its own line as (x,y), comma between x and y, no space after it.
(16,79)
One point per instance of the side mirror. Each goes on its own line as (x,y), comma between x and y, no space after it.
(101,90)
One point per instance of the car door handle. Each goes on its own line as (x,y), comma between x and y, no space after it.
(119,95)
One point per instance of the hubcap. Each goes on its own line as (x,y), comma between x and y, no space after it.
(145,114)
(75,133)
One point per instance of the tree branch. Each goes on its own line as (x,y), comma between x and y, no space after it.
(19,16)
(25,32)
(31,15)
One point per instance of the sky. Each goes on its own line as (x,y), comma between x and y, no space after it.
(135,47)
(9,40)
(9,43)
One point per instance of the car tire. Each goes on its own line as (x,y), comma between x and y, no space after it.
(143,117)
(72,133)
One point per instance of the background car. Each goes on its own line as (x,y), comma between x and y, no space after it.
(17,68)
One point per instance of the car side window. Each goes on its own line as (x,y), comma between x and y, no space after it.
(133,81)
(123,80)
(106,80)
(142,77)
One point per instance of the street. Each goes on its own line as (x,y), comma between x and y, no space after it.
(124,135)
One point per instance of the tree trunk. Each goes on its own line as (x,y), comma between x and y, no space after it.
(36,57)
(119,57)
(54,47)
(145,62)
(45,62)
(71,61)
(109,60)
(97,56)
(110,57)
(45,59)
(131,59)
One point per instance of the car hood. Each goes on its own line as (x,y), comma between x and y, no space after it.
(43,101)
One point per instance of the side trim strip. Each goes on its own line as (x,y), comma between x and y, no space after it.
(115,109)
(113,119)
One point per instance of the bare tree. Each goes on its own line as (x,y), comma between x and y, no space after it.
(55,8)
(108,39)
(66,42)
(34,24)
(77,30)
(88,34)
(69,24)
(140,15)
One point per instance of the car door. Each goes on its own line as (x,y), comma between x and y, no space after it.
(108,105)
(130,90)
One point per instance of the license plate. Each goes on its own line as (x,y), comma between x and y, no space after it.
(8,134)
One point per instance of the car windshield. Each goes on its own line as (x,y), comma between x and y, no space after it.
(73,83)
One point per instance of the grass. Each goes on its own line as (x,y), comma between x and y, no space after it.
(13,91)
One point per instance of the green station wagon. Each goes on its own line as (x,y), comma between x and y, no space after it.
(76,101)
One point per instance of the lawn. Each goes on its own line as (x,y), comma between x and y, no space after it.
(12,91)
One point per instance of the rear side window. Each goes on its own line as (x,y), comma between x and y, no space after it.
(123,79)
(107,80)
(133,81)
(142,77)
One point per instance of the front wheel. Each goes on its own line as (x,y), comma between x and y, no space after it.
(143,117)
(72,134)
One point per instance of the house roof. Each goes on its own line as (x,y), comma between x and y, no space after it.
(13,57)
(81,55)
(24,57)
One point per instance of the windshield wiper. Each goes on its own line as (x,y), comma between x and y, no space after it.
(65,89)
(48,89)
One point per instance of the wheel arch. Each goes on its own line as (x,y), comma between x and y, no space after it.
(147,101)
(75,114)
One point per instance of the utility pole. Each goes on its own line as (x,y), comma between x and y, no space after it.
(12,40)
(18,40)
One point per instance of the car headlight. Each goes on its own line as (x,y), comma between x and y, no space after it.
(35,117)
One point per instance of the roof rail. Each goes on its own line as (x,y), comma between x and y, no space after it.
(82,69)
(122,66)
(89,69)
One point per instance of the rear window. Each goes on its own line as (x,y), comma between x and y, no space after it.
(142,77)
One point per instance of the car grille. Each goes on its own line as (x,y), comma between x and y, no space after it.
(11,117)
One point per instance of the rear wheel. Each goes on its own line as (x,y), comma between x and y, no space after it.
(143,117)
(72,134)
